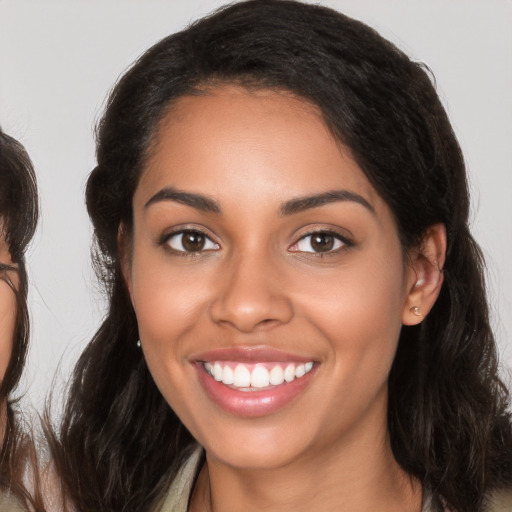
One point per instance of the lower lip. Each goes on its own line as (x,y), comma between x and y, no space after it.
(252,403)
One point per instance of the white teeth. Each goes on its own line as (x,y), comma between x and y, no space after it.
(300,371)
(217,372)
(242,377)
(276,376)
(289,373)
(228,377)
(260,377)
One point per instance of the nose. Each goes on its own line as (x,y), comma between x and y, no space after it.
(252,297)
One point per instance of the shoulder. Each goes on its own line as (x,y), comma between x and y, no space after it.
(9,504)
(497,501)
(500,501)
(177,498)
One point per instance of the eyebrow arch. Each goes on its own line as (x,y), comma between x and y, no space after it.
(305,203)
(197,201)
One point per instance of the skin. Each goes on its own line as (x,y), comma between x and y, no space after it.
(258,283)
(7,307)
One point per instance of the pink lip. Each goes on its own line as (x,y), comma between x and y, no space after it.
(251,403)
(249,355)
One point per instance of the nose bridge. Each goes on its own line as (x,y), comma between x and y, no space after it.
(249,295)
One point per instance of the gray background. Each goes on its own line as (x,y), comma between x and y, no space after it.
(58,60)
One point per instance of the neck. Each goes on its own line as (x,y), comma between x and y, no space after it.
(359,474)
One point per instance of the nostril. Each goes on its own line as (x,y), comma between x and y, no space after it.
(248,325)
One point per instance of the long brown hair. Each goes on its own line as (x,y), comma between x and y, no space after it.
(119,444)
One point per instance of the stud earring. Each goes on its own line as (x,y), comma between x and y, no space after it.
(139,343)
(415,310)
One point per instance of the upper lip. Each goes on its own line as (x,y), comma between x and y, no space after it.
(253,354)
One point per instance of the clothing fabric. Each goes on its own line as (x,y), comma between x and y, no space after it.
(180,490)
(501,501)
(9,504)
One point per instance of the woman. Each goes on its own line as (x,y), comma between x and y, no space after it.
(281,215)
(18,219)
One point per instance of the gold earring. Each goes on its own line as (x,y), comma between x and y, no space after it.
(415,310)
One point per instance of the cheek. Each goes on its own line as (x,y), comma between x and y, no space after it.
(170,309)
(359,313)
(7,325)
(169,303)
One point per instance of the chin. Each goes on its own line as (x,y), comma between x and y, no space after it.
(257,448)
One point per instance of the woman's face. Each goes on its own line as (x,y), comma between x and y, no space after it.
(7,306)
(268,280)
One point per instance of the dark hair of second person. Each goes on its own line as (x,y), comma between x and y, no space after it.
(18,220)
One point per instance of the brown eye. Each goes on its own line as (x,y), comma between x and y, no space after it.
(191,241)
(322,242)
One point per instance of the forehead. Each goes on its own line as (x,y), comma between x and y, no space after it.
(229,137)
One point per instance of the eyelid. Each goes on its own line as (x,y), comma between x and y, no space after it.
(344,239)
(180,230)
(184,228)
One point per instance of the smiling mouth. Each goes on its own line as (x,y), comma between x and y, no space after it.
(253,382)
(256,376)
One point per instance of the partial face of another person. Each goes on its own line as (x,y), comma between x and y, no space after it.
(7,305)
(268,280)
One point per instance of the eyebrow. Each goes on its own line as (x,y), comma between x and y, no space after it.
(296,205)
(300,204)
(197,201)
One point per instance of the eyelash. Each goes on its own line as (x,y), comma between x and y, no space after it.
(344,242)
(341,241)
(168,238)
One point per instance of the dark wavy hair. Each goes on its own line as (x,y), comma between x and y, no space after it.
(18,220)
(119,443)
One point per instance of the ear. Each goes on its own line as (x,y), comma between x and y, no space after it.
(425,275)
(124,254)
